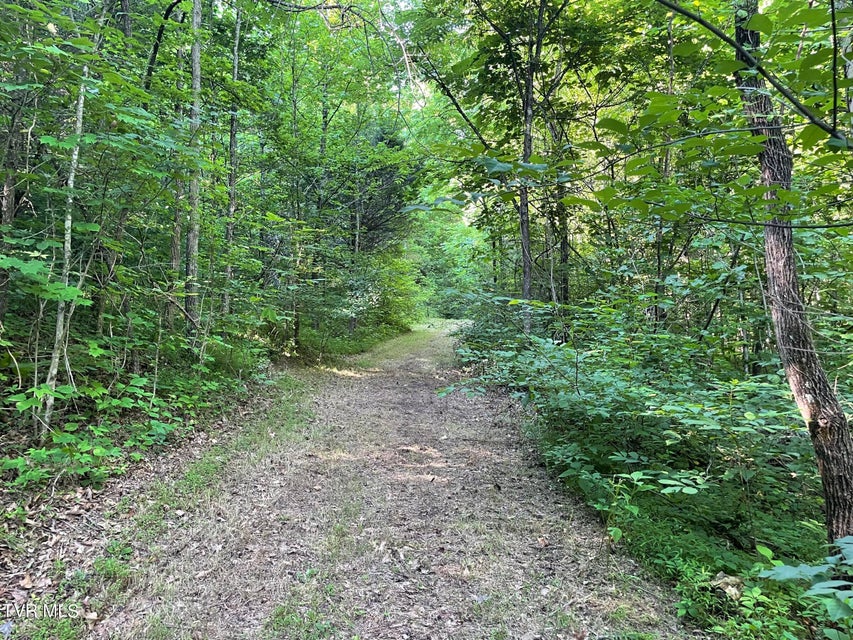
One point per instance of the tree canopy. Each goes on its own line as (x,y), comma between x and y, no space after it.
(643,207)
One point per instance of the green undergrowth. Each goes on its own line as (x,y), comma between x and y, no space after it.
(318,345)
(167,502)
(116,415)
(702,472)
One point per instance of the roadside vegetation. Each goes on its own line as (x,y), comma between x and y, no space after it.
(640,210)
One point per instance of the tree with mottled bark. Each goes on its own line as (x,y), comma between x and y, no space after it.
(813,393)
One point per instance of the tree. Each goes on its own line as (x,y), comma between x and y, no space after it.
(815,397)
(232,161)
(192,289)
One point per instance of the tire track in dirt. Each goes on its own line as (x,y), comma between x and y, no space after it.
(397,514)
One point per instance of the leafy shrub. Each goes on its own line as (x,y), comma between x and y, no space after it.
(692,464)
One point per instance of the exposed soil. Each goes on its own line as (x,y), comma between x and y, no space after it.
(396,514)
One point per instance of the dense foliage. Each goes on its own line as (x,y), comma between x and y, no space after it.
(645,345)
(194,189)
(692,463)
(152,255)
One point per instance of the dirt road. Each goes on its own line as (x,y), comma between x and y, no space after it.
(392,514)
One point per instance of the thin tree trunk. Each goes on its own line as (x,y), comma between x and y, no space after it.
(325,121)
(356,246)
(191,304)
(8,199)
(232,168)
(61,329)
(155,48)
(563,223)
(551,234)
(524,192)
(716,305)
(809,384)
(175,253)
(527,103)
(845,47)
(124,18)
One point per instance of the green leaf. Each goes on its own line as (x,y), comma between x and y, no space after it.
(26,267)
(811,135)
(764,551)
(808,17)
(838,610)
(50,141)
(729,66)
(686,48)
(637,166)
(113,78)
(585,202)
(837,143)
(23,402)
(9,86)
(801,572)
(760,22)
(86,227)
(493,165)
(845,544)
(594,145)
(611,124)
(829,586)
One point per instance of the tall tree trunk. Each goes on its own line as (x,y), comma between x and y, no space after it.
(809,384)
(525,78)
(232,168)
(61,329)
(191,302)
(8,199)
(527,103)
(325,121)
(155,48)
(123,18)
(563,224)
(524,192)
(175,253)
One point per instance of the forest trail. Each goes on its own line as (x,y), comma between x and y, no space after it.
(394,514)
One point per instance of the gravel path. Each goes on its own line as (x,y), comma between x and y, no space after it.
(396,514)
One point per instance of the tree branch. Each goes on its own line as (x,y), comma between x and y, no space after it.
(436,77)
(158,40)
(753,63)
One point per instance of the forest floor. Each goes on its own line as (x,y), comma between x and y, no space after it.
(375,510)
